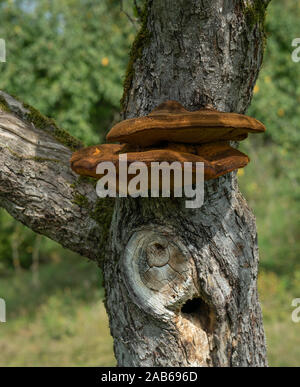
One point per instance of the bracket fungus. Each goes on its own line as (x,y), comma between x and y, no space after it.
(218,158)
(171,122)
(172,134)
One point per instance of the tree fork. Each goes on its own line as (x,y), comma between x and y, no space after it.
(181,285)
(37,185)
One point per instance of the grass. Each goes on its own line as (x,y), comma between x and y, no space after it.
(62,322)
(283,344)
(283,341)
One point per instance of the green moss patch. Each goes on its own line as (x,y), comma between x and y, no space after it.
(256,14)
(103,212)
(142,39)
(3,104)
(48,124)
(42,122)
(81,200)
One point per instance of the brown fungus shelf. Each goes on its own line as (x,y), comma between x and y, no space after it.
(218,158)
(171,133)
(171,122)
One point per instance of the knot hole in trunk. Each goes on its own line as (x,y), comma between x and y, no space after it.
(200,313)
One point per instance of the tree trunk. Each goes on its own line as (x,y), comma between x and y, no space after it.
(181,284)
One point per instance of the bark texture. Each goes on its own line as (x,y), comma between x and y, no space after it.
(38,187)
(181,284)
(200,53)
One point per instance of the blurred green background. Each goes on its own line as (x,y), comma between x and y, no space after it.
(68,59)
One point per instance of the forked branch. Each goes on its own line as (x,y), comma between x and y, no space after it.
(37,185)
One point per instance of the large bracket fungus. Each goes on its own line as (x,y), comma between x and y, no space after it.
(171,133)
(170,121)
(164,276)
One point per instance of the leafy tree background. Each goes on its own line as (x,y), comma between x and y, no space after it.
(68,58)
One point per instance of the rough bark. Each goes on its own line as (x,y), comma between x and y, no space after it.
(38,187)
(200,53)
(161,254)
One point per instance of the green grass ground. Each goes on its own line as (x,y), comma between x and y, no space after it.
(62,322)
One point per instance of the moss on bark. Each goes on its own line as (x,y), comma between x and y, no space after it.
(3,105)
(49,125)
(142,39)
(42,122)
(256,14)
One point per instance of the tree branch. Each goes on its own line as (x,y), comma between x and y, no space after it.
(130,18)
(138,9)
(37,185)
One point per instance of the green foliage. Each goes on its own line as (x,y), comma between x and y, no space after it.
(63,322)
(276,295)
(272,180)
(276,99)
(67,58)
(18,242)
(274,196)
